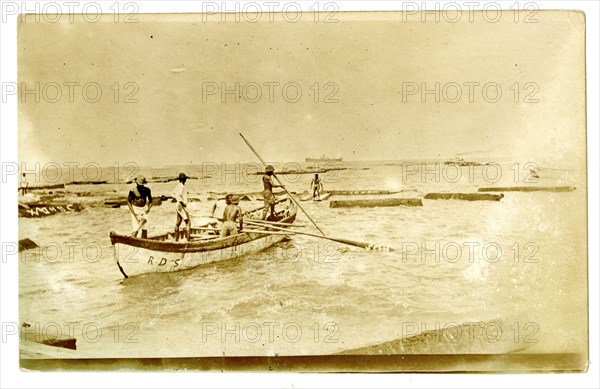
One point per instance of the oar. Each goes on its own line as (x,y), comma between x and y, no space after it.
(247,230)
(253,231)
(282,224)
(284,188)
(140,224)
(368,246)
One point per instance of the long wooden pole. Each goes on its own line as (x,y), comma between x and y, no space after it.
(284,188)
(368,246)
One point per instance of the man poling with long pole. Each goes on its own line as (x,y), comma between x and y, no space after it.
(280,185)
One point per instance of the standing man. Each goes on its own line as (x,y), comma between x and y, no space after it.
(24,184)
(232,216)
(139,202)
(267,193)
(181,197)
(317,187)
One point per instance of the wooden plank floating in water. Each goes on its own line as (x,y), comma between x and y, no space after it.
(116,203)
(164,179)
(49,186)
(529,189)
(87,182)
(360,192)
(370,203)
(464,196)
(27,244)
(41,210)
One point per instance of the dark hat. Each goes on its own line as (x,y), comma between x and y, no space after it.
(182,176)
(269,168)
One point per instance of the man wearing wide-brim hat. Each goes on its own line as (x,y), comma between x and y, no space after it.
(180,195)
(139,202)
(268,196)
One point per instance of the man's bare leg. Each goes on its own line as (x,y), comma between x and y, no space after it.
(177,225)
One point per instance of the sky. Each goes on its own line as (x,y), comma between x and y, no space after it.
(169,83)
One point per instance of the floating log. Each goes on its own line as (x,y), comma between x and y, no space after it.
(529,189)
(369,203)
(117,202)
(360,192)
(87,182)
(27,244)
(41,210)
(158,180)
(29,334)
(49,186)
(46,198)
(464,196)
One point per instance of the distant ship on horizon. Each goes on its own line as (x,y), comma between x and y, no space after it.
(323,158)
(461,162)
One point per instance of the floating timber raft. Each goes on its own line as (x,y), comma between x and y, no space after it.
(41,210)
(529,189)
(87,182)
(370,203)
(464,196)
(117,202)
(360,192)
(50,186)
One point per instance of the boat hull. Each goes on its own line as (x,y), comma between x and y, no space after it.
(136,256)
(137,260)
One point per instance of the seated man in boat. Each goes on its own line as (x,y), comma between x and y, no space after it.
(181,197)
(232,216)
(269,197)
(317,186)
(218,209)
(139,202)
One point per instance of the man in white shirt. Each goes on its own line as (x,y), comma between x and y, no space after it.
(180,195)
(139,202)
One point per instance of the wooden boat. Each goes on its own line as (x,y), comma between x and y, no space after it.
(162,254)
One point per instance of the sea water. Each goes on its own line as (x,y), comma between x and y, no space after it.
(521,262)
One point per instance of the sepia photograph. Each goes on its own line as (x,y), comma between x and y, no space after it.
(250,187)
